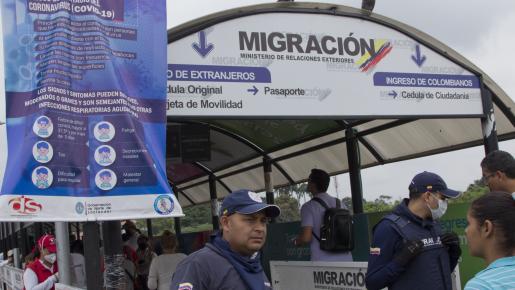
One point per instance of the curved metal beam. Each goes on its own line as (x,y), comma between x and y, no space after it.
(181,191)
(210,172)
(362,140)
(316,147)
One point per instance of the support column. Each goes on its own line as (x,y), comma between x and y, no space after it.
(149,229)
(92,252)
(3,246)
(488,122)
(214,202)
(5,236)
(354,170)
(38,231)
(70,230)
(8,234)
(77,231)
(269,185)
(361,238)
(177,225)
(113,256)
(14,234)
(63,252)
(23,242)
(15,246)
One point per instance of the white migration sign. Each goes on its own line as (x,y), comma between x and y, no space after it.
(303,275)
(294,64)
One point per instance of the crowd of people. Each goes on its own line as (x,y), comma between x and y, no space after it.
(409,249)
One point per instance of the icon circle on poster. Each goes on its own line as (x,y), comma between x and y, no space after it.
(79,207)
(104,131)
(42,152)
(105,155)
(42,177)
(163,204)
(105,179)
(43,127)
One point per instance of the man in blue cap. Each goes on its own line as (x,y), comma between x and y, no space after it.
(409,249)
(231,260)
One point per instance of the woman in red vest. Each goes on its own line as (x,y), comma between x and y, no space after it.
(42,273)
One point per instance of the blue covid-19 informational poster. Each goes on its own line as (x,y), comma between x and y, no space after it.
(85,84)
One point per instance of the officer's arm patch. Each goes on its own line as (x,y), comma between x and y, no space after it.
(375,251)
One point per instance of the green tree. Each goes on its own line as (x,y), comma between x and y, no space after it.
(474,190)
(197,215)
(158,225)
(383,203)
(300,191)
(289,208)
(197,218)
(347,201)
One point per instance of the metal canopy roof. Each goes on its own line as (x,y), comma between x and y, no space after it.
(238,147)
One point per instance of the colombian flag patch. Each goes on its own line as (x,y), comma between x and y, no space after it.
(375,251)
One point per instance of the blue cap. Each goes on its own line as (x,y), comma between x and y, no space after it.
(244,201)
(432,182)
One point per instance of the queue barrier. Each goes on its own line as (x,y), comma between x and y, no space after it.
(11,278)
(304,275)
(59,286)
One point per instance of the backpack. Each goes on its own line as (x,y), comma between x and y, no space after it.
(336,231)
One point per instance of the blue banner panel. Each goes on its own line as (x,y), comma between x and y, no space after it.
(85,104)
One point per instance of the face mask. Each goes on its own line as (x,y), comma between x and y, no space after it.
(142,245)
(50,258)
(440,210)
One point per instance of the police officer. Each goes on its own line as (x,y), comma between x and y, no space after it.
(231,260)
(409,249)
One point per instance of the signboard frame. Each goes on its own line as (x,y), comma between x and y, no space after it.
(207,23)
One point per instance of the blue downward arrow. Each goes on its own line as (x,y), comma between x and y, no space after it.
(418,58)
(254,90)
(393,94)
(202,48)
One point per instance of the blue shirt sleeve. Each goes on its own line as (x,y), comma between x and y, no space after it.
(382,269)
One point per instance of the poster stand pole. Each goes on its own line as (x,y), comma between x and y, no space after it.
(111,233)
(92,252)
(63,252)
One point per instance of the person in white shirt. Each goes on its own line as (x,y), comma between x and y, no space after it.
(163,266)
(78,264)
(312,217)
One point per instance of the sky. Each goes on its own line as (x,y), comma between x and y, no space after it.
(482,31)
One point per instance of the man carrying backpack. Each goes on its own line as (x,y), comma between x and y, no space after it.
(312,219)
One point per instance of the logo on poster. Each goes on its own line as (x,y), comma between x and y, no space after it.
(163,204)
(24,205)
(79,207)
